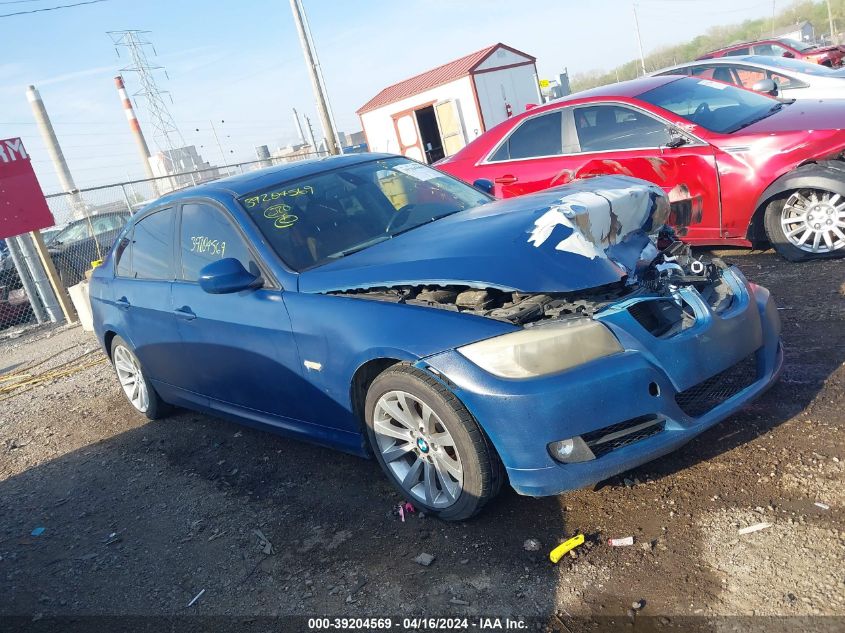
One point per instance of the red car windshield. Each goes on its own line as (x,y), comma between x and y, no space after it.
(713,105)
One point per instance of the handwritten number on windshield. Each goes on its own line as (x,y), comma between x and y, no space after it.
(275,195)
(279,213)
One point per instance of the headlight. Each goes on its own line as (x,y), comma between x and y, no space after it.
(544,349)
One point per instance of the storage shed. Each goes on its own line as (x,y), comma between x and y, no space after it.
(436,113)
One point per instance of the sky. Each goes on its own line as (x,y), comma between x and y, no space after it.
(238,63)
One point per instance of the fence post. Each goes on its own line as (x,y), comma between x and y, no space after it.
(48,292)
(126,199)
(26,280)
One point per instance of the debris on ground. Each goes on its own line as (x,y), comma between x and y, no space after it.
(620,542)
(754,528)
(637,605)
(557,553)
(263,542)
(405,508)
(424,559)
(531,545)
(113,537)
(37,531)
(821,505)
(196,597)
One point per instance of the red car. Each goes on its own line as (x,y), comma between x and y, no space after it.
(740,168)
(784,47)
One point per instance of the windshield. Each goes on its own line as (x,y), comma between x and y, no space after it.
(335,213)
(713,105)
(798,46)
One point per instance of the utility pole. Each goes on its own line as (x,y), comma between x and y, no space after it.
(639,38)
(298,126)
(833,37)
(48,135)
(310,60)
(219,146)
(773,17)
(311,134)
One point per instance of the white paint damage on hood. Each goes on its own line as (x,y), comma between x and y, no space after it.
(602,215)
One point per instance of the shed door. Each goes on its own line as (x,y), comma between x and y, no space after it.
(451,129)
(408,135)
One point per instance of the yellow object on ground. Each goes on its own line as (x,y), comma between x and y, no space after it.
(557,553)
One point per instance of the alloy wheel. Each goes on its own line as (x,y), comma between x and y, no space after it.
(418,449)
(814,220)
(131,379)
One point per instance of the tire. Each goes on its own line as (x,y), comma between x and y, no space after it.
(127,367)
(423,464)
(785,212)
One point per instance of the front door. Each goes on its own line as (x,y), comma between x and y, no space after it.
(236,349)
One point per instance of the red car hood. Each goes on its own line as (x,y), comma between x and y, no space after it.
(802,115)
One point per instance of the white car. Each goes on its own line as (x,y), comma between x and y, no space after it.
(778,76)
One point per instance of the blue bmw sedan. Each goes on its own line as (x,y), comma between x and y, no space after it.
(378,306)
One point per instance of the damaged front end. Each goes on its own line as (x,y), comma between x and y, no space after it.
(673,268)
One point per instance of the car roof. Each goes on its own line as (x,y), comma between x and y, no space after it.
(630,88)
(242,184)
(756,60)
(779,40)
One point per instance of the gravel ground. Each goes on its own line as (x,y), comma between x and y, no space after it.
(141,517)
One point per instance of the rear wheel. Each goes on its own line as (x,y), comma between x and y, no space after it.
(134,383)
(429,445)
(807,224)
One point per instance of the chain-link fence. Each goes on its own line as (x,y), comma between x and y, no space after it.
(88,222)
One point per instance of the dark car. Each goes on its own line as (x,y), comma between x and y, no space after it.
(376,305)
(83,241)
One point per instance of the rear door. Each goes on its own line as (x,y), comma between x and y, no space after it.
(141,291)
(235,349)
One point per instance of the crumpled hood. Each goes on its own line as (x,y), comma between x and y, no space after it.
(582,235)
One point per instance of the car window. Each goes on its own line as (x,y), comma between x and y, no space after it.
(609,127)
(207,235)
(786,83)
(749,76)
(152,246)
(106,223)
(769,50)
(739,51)
(75,232)
(534,137)
(123,256)
(331,214)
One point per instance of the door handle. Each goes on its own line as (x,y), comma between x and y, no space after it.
(122,303)
(507,179)
(185,313)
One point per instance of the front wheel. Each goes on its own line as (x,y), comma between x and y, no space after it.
(807,224)
(140,393)
(429,445)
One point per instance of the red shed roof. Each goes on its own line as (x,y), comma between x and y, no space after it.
(434,77)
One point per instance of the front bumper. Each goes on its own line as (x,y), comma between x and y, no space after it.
(668,378)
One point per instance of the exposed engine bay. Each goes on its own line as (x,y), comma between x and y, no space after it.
(674,267)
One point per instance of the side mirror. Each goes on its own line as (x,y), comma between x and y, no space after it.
(676,137)
(485,185)
(766,86)
(226,276)
(788,54)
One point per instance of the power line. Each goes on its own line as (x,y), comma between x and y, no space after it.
(62,6)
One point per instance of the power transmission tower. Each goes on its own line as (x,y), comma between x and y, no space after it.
(165,132)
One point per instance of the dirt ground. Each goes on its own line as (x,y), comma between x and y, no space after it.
(139,518)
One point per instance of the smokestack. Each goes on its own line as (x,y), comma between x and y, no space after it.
(298,127)
(48,135)
(134,126)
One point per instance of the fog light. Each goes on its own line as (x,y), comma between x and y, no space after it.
(571,451)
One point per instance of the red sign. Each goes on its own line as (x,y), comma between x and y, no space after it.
(22,204)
